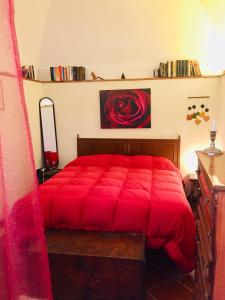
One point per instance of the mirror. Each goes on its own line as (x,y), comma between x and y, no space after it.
(48,133)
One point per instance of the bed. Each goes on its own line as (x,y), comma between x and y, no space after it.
(125,185)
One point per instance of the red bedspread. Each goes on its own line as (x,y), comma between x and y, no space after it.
(122,193)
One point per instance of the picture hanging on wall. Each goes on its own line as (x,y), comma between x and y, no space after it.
(130,108)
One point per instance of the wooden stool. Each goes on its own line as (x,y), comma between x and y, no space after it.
(96,266)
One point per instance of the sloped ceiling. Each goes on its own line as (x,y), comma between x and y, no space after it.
(30,21)
(115,34)
(216,10)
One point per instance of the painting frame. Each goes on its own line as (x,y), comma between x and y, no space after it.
(125,108)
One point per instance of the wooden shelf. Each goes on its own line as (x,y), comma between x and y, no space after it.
(127,79)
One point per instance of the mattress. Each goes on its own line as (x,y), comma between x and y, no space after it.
(117,193)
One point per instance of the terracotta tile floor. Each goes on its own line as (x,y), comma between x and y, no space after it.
(163,281)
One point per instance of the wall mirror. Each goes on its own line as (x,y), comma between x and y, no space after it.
(48,134)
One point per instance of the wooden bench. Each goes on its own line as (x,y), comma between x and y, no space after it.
(96,266)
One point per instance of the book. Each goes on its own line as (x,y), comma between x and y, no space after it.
(60,73)
(52,73)
(188,68)
(74,71)
(82,71)
(27,71)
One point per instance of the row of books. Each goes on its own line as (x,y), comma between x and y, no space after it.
(28,71)
(60,73)
(178,68)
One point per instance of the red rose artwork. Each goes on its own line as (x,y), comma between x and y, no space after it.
(125,108)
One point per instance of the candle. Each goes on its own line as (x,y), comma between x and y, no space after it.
(213,128)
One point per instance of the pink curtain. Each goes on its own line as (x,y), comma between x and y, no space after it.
(24,270)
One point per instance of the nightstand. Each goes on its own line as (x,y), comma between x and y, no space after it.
(43,174)
(193,196)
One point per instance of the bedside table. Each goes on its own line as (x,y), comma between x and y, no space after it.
(193,196)
(43,174)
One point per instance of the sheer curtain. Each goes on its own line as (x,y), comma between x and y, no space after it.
(24,270)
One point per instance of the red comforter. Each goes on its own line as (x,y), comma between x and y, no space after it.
(122,193)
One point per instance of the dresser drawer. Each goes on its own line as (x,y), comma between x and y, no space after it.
(201,259)
(205,190)
(201,282)
(204,240)
(204,215)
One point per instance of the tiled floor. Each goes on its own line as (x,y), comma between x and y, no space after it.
(163,281)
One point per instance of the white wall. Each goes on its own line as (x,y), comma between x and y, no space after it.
(30,21)
(33,93)
(130,36)
(111,37)
(77,111)
(221,111)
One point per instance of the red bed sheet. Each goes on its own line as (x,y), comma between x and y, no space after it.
(124,194)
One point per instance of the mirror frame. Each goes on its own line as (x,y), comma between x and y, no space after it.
(42,136)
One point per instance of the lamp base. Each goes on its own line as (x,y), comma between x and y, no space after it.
(212,151)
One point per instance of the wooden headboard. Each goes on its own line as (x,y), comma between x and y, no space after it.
(169,148)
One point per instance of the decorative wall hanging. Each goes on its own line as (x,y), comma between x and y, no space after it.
(198,111)
(125,108)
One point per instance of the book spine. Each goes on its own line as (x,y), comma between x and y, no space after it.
(182,68)
(156,73)
(32,70)
(82,73)
(195,68)
(74,68)
(68,73)
(192,69)
(64,73)
(169,69)
(57,72)
(188,68)
(52,74)
(60,73)
(79,73)
(177,68)
(161,69)
(71,73)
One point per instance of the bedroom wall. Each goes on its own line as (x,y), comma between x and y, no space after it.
(33,93)
(221,109)
(30,21)
(111,37)
(77,111)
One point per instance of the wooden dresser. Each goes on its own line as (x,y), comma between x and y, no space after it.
(210,269)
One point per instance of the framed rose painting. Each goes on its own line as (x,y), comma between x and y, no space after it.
(125,108)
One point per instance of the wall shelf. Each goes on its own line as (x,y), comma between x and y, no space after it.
(127,79)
